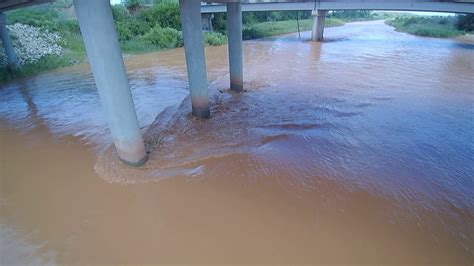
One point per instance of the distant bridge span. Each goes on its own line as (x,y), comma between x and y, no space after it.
(459,6)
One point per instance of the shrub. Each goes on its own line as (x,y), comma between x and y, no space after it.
(465,22)
(214,38)
(410,21)
(69,26)
(351,14)
(252,33)
(164,14)
(138,28)
(34,17)
(120,13)
(219,22)
(442,27)
(265,29)
(130,28)
(163,37)
(123,31)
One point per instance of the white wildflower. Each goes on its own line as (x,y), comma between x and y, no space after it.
(32,43)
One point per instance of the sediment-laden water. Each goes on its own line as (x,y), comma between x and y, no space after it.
(355,150)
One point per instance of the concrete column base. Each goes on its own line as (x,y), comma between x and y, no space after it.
(135,164)
(202,112)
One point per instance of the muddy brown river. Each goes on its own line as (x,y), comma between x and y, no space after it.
(356,150)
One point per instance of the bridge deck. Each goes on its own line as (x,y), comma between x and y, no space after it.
(455,6)
(6,5)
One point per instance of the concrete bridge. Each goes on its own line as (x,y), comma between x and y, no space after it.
(105,57)
(454,6)
(319,8)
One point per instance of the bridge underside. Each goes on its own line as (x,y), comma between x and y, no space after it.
(459,6)
(6,5)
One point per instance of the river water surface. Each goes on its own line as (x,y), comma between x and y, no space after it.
(355,150)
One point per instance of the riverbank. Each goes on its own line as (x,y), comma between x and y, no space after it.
(468,38)
(334,19)
(438,27)
(159,28)
(158,39)
(139,31)
(267,29)
(155,40)
(143,30)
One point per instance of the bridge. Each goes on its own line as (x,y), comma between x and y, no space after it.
(319,8)
(455,6)
(105,57)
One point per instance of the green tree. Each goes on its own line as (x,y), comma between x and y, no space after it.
(165,14)
(465,22)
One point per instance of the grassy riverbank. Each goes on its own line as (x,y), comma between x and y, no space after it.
(43,64)
(139,31)
(267,29)
(440,27)
(272,28)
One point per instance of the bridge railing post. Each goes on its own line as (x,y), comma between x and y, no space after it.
(317,30)
(190,11)
(12,58)
(105,58)
(234,34)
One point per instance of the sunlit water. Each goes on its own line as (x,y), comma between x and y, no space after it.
(357,149)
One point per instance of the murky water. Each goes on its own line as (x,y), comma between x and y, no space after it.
(356,150)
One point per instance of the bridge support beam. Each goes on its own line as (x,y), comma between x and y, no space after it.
(7,43)
(234,34)
(105,58)
(317,30)
(190,11)
(206,21)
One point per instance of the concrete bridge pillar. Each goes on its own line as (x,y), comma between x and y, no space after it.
(317,31)
(206,21)
(234,35)
(105,58)
(7,43)
(190,11)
